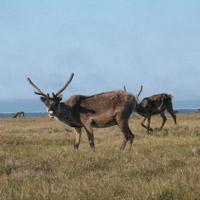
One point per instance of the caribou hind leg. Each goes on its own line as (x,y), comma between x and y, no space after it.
(130,142)
(149,129)
(122,121)
(127,134)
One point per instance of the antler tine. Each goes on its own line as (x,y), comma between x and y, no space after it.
(39,91)
(68,82)
(140,91)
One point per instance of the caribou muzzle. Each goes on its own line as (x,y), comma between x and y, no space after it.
(50,113)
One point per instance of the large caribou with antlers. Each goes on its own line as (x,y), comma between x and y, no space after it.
(99,110)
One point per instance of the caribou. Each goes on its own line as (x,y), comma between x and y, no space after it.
(19,114)
(153,105)
(99,110)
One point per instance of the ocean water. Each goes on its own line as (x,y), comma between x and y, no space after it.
(187,111)
(27,114)
(44,114)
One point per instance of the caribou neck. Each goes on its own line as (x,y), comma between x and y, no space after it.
(139,109)
(61,111)
(64,114)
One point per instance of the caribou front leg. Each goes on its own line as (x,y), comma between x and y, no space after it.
(164,120)
(77,137)
(149,129)
(142,122)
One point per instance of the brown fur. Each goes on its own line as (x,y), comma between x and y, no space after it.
(99,110)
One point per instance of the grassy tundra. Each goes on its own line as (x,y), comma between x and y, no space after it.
(38,161)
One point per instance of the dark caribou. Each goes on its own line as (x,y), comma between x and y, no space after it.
(152,105)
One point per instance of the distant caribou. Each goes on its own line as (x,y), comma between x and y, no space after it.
(19,115)
(99,110)
(176,111)
(156,104)
(198,111)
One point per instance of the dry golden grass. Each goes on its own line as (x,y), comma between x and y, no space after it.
(37,161)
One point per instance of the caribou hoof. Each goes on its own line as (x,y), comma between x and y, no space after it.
(150,131)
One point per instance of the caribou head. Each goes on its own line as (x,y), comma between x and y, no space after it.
(52,103)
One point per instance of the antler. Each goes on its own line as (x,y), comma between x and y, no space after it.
(140,91)
(68,82)
(39,91)
(47,95)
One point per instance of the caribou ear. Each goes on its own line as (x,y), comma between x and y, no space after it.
(43,99)
(60,97)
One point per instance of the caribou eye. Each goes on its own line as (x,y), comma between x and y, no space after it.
(56,104)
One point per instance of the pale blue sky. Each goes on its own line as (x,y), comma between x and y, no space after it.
(107,44)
